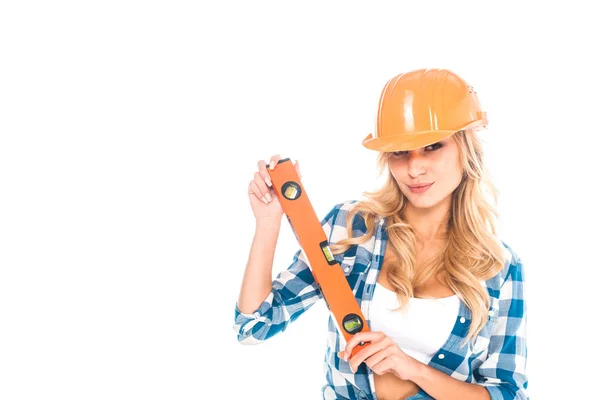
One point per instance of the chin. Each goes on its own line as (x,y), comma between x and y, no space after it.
(421,202)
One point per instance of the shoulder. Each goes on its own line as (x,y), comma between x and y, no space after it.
(337,217)
(513,267)
(512,270)
(335,221)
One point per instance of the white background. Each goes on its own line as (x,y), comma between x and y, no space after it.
(130,130)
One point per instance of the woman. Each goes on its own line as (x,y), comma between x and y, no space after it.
(442,295)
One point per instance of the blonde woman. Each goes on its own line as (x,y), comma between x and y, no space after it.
(442,294)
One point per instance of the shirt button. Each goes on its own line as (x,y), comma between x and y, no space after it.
(347,269)
(441,356)
(462,320)
(491,313)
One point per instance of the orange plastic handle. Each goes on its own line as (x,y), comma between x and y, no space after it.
(312,239)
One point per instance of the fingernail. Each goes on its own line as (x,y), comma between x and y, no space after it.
(268,181)
(268,196)
(272,165)
(265,200)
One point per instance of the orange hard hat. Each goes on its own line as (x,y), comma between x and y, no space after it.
(422,107)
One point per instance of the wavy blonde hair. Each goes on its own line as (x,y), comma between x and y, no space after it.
(471,252)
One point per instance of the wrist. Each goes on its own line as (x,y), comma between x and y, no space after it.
(415,369)
(268,223)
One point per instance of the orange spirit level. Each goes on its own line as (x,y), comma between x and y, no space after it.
(313,241)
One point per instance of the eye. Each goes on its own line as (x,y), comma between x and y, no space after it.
(431,147)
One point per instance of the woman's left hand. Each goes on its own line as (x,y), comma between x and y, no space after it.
(382,355)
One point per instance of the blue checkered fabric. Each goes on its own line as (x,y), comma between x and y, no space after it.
(496,360)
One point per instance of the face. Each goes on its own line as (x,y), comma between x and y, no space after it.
(437,164)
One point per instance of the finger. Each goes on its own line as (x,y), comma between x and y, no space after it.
(253,189)
(274,160)
(297,165)
(261,164)
(361,337)
(383,366)
(381,355)
(262,186)
(262,169)
(374,348)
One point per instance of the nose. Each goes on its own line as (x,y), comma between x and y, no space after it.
(416,164)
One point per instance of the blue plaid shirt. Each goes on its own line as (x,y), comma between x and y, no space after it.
(496,360)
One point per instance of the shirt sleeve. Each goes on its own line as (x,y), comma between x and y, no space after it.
(294,291)
(503,372)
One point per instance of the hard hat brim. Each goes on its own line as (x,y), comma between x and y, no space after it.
(405,142)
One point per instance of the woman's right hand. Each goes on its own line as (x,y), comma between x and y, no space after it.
(263,200)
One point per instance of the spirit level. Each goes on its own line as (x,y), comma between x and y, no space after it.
(312,239)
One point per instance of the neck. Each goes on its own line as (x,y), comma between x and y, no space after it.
(431,224)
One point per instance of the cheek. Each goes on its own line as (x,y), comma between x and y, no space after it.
(452,170)
(399,174)
(394,170)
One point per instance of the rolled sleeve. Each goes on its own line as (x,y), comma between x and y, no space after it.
(294,291)
(503,372)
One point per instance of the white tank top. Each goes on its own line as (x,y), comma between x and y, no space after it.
(421,328)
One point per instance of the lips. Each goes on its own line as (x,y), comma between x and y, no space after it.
(419,185)
(422,188)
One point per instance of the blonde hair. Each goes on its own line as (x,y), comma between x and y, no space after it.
(472,251)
